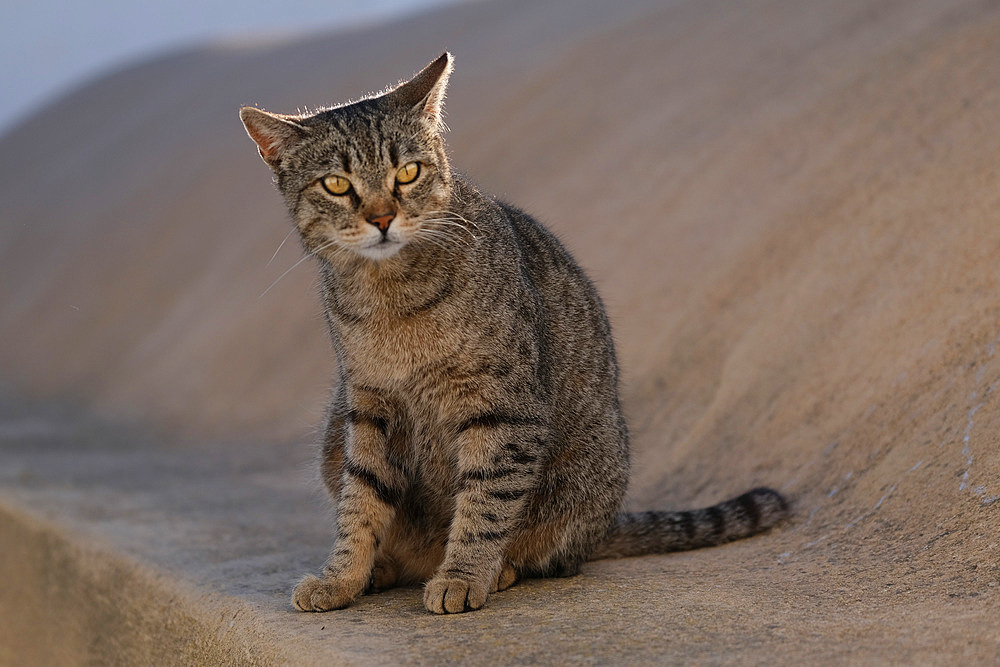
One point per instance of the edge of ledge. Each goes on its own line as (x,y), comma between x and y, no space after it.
(69,600)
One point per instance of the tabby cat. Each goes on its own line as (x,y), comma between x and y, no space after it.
(475,436)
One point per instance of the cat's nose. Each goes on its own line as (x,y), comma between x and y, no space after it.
(382,221)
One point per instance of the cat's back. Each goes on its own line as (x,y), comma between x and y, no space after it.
(577,357)
(539,256)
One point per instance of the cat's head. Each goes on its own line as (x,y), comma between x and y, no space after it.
(369,177)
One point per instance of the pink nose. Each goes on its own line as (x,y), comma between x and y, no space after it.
(382,221)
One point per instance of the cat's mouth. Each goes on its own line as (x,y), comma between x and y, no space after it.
(383,248)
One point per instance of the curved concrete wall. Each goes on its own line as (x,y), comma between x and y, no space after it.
(790,207)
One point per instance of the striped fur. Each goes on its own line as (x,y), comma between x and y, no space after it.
(643,533)
(475,435)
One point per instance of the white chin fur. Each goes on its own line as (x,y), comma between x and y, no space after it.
(381,250)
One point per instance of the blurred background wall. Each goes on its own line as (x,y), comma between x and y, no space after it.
(51,46)
(789,207)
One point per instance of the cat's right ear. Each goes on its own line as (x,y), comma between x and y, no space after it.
(273,133)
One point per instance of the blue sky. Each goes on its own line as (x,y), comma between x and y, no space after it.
(50,46)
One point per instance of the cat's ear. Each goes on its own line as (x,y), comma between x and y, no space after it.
(273,133)
(424,93)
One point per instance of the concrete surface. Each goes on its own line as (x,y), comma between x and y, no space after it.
(791,208)
(185,555)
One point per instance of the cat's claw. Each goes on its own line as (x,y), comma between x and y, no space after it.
(452,596)
(315,594)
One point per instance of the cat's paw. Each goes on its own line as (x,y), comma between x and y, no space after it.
(315,594)
(506,579)
(443,595)
(385,574)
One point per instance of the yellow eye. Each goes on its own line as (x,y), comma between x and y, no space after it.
(408,173)
(336,185)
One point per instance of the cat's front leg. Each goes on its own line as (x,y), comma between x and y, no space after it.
(370,491)
(498,461)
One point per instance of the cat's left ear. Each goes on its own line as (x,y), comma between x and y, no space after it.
(273,133)
(424,93)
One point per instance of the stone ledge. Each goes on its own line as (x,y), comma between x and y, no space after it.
(187,555)
(67,602)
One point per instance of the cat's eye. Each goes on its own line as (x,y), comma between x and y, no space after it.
(408,173)
(336,185)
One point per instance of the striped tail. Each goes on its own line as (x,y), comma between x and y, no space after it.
(642,533)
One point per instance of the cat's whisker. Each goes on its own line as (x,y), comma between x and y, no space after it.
(445,233)
(446,218)
(463,218)
(434,242)
(439,234)
(444,244)
(289,269)
(447,223)
(454,215)
(457,222)
(449,228)
(442,239)
(279,247)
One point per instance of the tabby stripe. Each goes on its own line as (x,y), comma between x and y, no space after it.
(750,509)
(446,291)
(345,161)
(485,536)
(688,525)
(346,317)
(356,417)
(338,309)
(310,226)
(341,130)
(718,520)
(487,475)
(369,388)
(495,419)
(523,458)
(508,495)
(461,572)
(385,493)
(651,522)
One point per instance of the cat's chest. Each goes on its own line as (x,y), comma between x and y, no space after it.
(391,333)
(393,353)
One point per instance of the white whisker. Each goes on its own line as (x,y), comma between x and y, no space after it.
(288,270)
(438,238)
(440,241)
(446,222)
(279,247)
(448,227)
(436,242)
(455,216)
(438,234)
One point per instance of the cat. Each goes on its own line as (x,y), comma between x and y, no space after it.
(475,436)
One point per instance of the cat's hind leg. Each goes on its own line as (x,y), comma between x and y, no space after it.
(385,575)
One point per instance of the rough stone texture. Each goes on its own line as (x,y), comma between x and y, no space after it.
(790,206)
